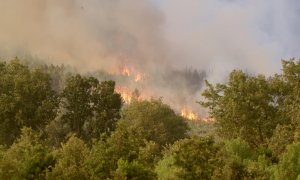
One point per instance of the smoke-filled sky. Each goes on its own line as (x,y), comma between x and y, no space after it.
(217,35)
(222,34)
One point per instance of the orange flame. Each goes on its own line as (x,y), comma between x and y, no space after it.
(126,71)
(188,114)
(129,72)
(138,77)
(128,94)
(125,93)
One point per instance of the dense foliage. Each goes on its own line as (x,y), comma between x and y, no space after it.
(62,125)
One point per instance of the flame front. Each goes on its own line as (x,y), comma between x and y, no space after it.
(129,72)
(137,77)
(125,93)
(189,114)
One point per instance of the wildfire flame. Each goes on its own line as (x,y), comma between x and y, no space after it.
(127,94)
(188,114)
(129,72)
(126,71)
(138,77)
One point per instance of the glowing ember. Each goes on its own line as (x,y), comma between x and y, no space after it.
(188,114)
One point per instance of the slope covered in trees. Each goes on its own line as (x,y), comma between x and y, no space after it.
(60,125)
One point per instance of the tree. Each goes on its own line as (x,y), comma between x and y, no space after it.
(88,108)
(236,159)
(133,170)
(100,163)
(107,106)
(70,161)
(291,78)
(193,158)
(143,130)
(27,158)
(166,170)
(26,99)
(283,136)
(246,106)
(289,166)
(76,100)
(153,121)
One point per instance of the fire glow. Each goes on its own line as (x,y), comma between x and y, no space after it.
(129,72)
(128,93)
(138,77)
(188,114)
(125,93)
(126,71)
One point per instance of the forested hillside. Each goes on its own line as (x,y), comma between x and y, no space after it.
(57,124)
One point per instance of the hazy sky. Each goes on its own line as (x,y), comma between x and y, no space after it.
(216,35)
(155,37)
(251,34)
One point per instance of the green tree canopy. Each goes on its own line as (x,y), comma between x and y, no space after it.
(70,164)
(143,130)
(291,78)
(26,99)
(289,166)
(193,158)
(27,158)
(153,121)
(246,106)
(88,108)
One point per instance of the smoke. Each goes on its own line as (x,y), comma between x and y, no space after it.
(218,34)
(226,34)
(88,34)
(163,38)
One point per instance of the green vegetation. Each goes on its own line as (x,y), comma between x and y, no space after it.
(60,125)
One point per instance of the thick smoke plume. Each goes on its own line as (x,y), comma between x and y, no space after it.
(88,34)
(161,38)
(215,34)
(99,34)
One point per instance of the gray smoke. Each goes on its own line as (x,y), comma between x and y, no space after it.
(159,37)
(216,34)
(226,34)
(88,34)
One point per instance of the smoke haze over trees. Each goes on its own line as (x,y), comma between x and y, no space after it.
(149,89)
(216,35)
(84,131)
